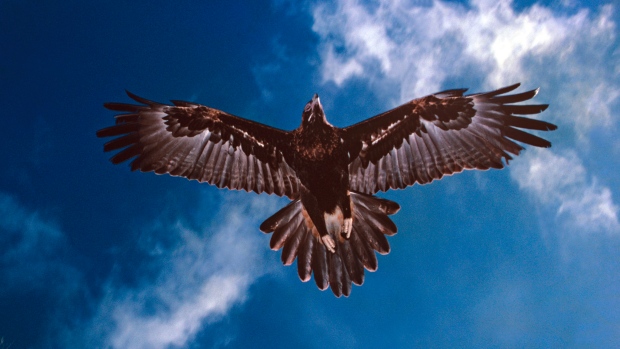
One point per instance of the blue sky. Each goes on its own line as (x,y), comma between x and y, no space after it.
(94,255)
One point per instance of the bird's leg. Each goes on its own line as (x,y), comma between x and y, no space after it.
(347,224)
(317,216)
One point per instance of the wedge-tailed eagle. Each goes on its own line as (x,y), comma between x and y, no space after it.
(334,223)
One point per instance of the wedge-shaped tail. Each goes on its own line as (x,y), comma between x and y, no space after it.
(294,233)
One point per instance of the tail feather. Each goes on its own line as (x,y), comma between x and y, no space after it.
(368,232)
(304,258)
(382,222)
(354,266)
(280,223)
(283,232)
(291,246)
(336,273)
(319,266)
(363,250)
(295,233)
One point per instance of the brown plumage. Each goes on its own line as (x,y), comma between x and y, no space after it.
(334,224)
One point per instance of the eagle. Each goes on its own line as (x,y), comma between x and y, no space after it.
(334,223)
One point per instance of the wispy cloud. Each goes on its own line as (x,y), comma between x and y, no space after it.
(410,49)
(33,265)
(33,249)
(562,181)
(33,236)
(208,273)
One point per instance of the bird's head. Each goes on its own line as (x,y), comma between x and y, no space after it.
(313,112)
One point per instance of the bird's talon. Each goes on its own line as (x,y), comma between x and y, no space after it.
(329,243)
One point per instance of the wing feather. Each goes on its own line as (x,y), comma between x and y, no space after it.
(201,143)
(420,163)
(441,134)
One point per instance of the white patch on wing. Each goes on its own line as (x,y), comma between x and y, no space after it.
(376,137)
(248,136)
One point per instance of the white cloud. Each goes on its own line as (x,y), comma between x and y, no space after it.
(562,181)
(359,32)
(183,317)
(339,70)
(208,273)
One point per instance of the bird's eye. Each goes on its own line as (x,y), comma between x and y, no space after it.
(307,108)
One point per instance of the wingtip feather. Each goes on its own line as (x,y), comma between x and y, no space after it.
(502,90)
(139,99)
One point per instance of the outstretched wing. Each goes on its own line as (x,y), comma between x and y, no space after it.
(202,143)
(440,134)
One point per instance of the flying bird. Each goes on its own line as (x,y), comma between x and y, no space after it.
(334,223)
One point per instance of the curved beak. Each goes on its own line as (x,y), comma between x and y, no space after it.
(316,103)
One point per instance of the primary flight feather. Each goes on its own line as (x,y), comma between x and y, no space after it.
(334,224)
